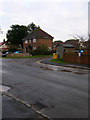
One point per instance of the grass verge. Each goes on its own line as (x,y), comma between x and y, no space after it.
(58,61)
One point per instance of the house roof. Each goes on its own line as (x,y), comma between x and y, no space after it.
(55,43)
(68,45)
(38,33)
(1,43)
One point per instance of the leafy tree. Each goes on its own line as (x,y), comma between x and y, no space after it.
(12,48)
(81,38)
(81,41)
(31,27)
(16,34)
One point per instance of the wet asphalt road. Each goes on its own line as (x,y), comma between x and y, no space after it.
(54,91)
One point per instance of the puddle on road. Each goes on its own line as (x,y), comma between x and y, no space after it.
(4,88)
(28,64)
(71,71)
(66,71)
(63,70)
(46,68)
(78,73)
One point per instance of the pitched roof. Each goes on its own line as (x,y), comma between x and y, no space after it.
(68,45)
(38,33)
(1,43)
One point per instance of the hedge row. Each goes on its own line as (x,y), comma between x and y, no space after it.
(39,52)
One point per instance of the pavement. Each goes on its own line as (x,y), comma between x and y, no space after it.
(18,109)
(15,108)
(65,65)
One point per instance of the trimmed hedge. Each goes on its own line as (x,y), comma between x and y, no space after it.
(40,52)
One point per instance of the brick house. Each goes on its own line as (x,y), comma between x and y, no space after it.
(68,47)
(74,42)
(3,46)
(36,38)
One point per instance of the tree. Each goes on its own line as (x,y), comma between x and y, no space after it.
(16,34)
(81,39)
(31,27)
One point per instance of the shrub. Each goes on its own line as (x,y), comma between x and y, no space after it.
(13,48)
(39,52)
(42,50)
(4,51)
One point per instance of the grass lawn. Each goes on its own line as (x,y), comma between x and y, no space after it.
(36,56)
(58,61)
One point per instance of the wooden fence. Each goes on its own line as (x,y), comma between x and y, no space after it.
(75,58)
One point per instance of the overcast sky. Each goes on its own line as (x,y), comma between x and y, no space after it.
(60,18)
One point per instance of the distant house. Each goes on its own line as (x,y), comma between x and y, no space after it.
(56,43)
(87,44)
(74,42)
(3,46)
(36,38)
(68,47)
(60,49)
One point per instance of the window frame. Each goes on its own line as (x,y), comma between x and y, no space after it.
(34,48)
(26,41)
(34,40)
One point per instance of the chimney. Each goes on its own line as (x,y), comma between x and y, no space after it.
(39,26)
(3,40)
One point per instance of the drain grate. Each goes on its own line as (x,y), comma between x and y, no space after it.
(39,106)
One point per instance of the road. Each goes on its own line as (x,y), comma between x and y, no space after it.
(56,92)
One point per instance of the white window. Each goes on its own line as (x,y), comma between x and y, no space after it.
(29,41)
(34,48)
(49,48)
(26,41)
(34,40)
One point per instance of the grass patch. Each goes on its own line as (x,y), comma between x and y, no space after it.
(57,61)
(36,56)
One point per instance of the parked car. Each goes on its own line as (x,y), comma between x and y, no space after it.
(5,54)
(16,52)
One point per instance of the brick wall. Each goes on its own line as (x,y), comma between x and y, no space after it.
(74,58)
(19,55)
(47,42)
(38,42)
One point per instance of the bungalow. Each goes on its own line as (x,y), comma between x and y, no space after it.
(36,38)
(60,49)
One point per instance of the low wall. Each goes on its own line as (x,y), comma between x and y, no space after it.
(74,58)
(19,55)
